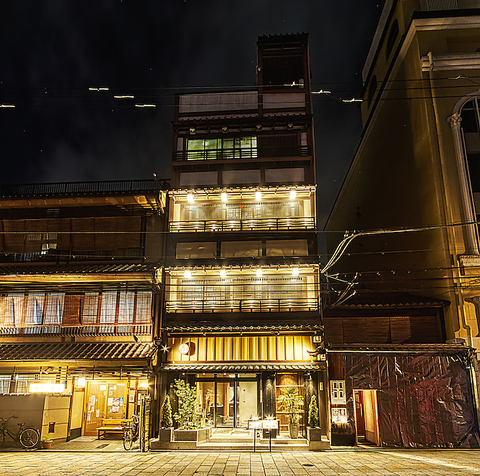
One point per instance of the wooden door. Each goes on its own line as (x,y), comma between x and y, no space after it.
(94,406)
(117,400)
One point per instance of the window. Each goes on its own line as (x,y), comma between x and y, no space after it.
(372,87)
(392,36)
(222,148)
(196,250)
(470,126)
(241,249)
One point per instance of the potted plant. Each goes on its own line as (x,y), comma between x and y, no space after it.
(313,430)
(187,417)
(46,442)
(291,402)
(166,422)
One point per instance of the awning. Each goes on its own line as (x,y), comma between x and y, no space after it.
(242,367)
(76,351)
(254,329)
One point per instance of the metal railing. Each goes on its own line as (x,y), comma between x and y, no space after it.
(294,223)
(85,330)
(243,305)
(247,153)
(66,188)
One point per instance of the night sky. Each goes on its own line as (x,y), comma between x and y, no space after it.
(52,51)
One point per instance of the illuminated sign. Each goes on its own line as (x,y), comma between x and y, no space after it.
(47,387)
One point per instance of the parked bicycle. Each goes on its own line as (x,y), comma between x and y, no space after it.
(131,432)
(27,436)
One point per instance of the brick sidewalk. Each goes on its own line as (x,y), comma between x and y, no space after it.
(345,462)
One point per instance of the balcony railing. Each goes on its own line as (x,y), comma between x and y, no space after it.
(237,154)
(243,305)
(87,330)
(259,224)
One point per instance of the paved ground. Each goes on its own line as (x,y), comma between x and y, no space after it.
(112,460)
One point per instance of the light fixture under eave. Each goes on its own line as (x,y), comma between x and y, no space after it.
(293,194)
(295,271)
(190,198)
(258,196)
(188,274)
(259,272)
(124,96)
(7,105)
(145,105)
(223,273)
(99,89)
(224,196)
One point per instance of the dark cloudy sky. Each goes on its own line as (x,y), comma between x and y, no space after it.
(52,51)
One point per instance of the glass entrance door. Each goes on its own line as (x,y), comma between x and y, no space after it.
(228,401)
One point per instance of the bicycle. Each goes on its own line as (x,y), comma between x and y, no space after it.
(131,432)
(27,436)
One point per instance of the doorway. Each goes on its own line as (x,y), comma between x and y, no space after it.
(366,417)
(104,400)
(229,400)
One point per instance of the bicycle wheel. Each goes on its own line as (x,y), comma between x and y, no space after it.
(2,438)
(128,439)
(29,438)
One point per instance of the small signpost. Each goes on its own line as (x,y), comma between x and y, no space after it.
(268,424)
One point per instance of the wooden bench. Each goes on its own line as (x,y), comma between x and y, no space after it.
(112,425)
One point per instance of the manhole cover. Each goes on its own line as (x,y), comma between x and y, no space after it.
(102,446)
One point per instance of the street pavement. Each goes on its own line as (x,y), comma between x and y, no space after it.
(107,457)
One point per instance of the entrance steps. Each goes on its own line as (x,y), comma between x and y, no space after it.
(242,440)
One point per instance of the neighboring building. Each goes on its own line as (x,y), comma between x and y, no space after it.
(412,187)
(242,299)
(79,286)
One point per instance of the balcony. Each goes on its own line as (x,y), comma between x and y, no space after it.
(242,154)
(88,330)
(243,305)
(259,224)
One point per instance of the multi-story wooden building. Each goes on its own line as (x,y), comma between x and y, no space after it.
(242,301)
(79,286)
(411,194)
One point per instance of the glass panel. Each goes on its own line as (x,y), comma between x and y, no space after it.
(206,400)
(246,402)
(225,404)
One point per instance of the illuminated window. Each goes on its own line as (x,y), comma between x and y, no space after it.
(222,148)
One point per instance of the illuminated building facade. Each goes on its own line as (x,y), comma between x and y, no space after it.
(79,288)
(242,303)
(414,180)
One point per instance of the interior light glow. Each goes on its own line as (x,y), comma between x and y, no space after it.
(295,271)
(258,196)
(46,387)
(188,274)
(224,196)
(259,273)
(80,382)
(293,194)
(123,96)
(190,198)
(143,385)
(223,273)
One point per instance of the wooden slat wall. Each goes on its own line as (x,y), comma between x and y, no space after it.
(383,330)
(242,348)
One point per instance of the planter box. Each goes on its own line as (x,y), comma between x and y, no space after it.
(165,434)
(200,435)
(314,434)
(343,439)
